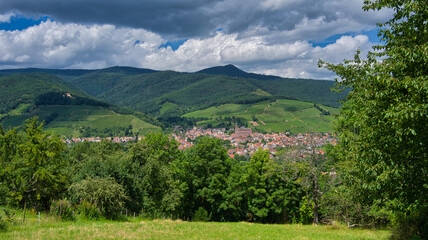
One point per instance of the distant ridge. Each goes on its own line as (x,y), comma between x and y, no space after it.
(78,72)
(66,72)
(127,70)
(146,90)
(232,71)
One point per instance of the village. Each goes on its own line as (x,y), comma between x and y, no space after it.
(244,142)
(239,141)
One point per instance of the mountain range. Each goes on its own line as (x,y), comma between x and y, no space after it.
(159,98)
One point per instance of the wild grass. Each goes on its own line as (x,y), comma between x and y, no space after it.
(137,228)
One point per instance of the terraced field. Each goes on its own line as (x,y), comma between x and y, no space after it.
(68,119)
(278,116)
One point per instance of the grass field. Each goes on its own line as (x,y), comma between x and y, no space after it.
(278,116)
(136,228)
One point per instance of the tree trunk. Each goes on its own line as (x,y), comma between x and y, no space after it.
(316,218)
(315,198)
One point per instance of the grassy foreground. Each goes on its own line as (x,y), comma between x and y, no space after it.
(137,228)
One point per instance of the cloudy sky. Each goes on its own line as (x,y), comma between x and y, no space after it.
(277,37)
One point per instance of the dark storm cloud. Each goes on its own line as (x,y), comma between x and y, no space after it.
(185,18)
(161,16)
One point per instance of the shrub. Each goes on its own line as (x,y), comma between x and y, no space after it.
(89,209)
(411,226)
(3,224)
(106,192)
(201,215)
(63,209)
(306,214)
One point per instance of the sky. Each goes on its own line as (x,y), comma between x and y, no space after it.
(276,37)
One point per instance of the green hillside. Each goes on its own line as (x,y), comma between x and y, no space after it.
(143,92)
(144,89)
(277,116)
(25,88)
(220,85)
(64,110)
(147,92)
(168,95)
(100,81)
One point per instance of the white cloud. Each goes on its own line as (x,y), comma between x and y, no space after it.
(306,67)
(55,45)
(6,17)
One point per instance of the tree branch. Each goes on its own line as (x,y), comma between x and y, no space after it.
(335,185)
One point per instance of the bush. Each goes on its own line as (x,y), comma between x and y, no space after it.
(6,219)
(63,209)
(105,192)
(411,226)
(201,215)
(3,224)
(89,209)
(306,213)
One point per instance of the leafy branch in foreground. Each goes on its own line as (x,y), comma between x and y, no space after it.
(382,126)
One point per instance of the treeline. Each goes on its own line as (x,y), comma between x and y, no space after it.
(60,98)
(156,179)
(322,110)
(108,132)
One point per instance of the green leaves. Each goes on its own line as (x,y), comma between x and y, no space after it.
(34,166)
(150,169)
(270,197)
(383,126)
(106,193)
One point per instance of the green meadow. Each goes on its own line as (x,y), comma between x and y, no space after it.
(267,116)
(137,228)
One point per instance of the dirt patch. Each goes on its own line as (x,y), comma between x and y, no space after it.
(255,124)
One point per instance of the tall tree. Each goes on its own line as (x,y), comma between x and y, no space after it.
(271,198)
(382,126)
(151,175)
(34,168)
(313,171)
(205,173)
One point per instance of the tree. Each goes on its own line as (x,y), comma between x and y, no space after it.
(33,165)
(382,126)
(312,171)
(105,192)
(204,173)
(271,198)
(150,178)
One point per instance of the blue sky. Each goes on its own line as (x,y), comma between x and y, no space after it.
(21,22)
(278,37)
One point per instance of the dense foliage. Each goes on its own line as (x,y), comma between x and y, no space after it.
(151,177)
(33,168)
(24,88)
(383,126)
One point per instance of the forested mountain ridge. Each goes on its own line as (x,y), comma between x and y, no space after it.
(116,84)
(168,95)
(233,71)
(25,88)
